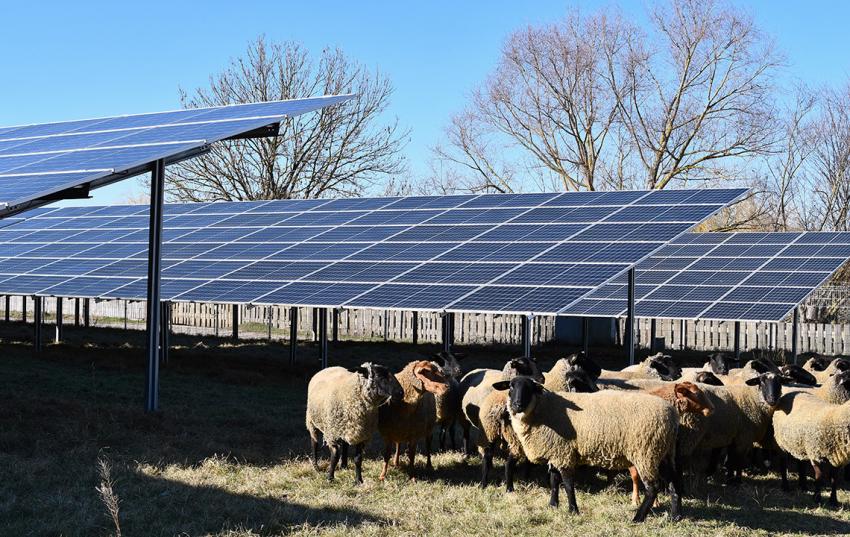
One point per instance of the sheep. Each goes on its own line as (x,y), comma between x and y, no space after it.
(608,429)
(448,405)
(496,431)
(742,416)
(554,378)
(813,430)
(692,405)
(751,369)
(719,363)
(706,377)
(342,406)
(411,416)
(475,385)
(800,375)
(659,366)
(836,366)
(816,363)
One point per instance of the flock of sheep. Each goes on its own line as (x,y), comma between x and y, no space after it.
(654,419)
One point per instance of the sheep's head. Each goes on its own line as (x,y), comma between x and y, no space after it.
(429,378)
(522,396)
(379,384)
(841,380)
(817,363)
(770,386)
(523,367)
(448,362)
(839,364)
(707,377)
(580,361)
(799,374)
(664,365)
(689,398)
(721,363)
(579,381)
(763,365)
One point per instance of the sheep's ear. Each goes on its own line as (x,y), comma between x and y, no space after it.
(439,359)
(755,381)
(502,385)
(785,379)
(360,370)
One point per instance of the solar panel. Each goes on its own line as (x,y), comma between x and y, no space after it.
(490,253)
(725,276)
(37,161)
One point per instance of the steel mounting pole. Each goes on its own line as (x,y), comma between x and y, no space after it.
(87,311)
(8,308)
(323,336)
(24,309)
(76,312)
(293,334)
(795,333)
(235,322)
(447,342)
(415,327)
(737,340)
(59,320)
(153,294)
(585,336)
(165,332)
(630,318)
(653,344)
(37,319)
(335,326)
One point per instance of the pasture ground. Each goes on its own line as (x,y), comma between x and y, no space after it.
(227,455)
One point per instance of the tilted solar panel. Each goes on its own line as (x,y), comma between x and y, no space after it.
(725,276)
(37,161)
(522,253)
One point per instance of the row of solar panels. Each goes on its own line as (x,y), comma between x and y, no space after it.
(519,253)
(37,161)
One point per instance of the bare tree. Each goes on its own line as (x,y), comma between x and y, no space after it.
(829,184)
(340,150)
(700,96)
(548,106)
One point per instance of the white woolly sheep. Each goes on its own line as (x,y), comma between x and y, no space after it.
(659,366)
(342,406)
(608,429)
(813,430)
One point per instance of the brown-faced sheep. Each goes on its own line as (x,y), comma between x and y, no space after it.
(448,404)
(342,406)
(410,417)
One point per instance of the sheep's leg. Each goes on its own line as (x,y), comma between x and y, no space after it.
(526,470)
(343,462)
(387,453)
(635,486)
(834,478)
(673,476)
(428,466)
(335,449)
(713,460)
(486,464)
(397,452)
(802,470)
(411,459)
(441,437)
(817,479)
(467,448)
(450,430)
(734,461)
(648,500)
(314,442)
(568,476)
(358,464)
(510,466)
(554,485)
(783,471)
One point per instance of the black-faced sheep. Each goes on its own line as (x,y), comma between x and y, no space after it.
(448,404)
(607,429)
(342,406)
(810,429)
(719,363)
(658,366)
(478,383)
(410,417)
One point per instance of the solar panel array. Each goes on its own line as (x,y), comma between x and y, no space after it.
(725,276)
(518,253)
(39,160)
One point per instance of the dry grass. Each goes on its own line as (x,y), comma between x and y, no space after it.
(227,456)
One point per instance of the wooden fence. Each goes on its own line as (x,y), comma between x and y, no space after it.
(363,324)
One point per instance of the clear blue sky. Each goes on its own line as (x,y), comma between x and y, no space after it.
(67,61)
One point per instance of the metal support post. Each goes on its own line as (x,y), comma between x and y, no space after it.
(76,312)
(293,334)
(37,318)
(653,345)
(795,333)
(415,327)
(323,336)
(585,336)
(235,335)
(87,312)
(737,340)
(8,308)
(335,326)
(445,321)
(153,284)
(59,320)
(526,335)
(630,318)
(24,309)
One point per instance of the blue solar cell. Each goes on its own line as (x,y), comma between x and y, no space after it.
(492,298)
(434,297)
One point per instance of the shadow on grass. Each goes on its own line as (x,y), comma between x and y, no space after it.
(790,519)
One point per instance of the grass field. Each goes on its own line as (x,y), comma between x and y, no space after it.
(227,456)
